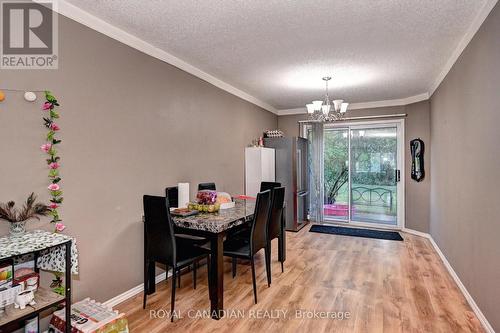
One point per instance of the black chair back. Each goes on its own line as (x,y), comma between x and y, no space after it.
(258,234)
(276,213)
(172,194)
(206,186)
(264,186)
(158,230)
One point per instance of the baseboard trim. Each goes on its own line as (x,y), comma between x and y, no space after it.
(416,233)
(484,322)
(134,291)
(486,325)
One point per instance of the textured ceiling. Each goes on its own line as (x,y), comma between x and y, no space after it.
(278,51)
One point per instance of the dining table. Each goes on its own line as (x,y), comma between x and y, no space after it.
(215,227)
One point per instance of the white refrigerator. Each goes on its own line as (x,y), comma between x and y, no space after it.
(259,167)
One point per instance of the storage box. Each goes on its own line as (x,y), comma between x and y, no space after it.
(89,316)
(29,281)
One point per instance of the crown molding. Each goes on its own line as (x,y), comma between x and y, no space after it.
(367,105)
(471,31)
(79,15)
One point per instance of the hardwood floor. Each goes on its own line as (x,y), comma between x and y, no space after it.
(380,285)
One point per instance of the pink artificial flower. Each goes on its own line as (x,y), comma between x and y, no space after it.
(60,227)
(46,147)
(54,165)
(54,127)
(53,205)
(47,106)
(53,187)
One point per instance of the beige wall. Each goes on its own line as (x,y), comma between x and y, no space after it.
(416,125)
(131,125)
(465,210)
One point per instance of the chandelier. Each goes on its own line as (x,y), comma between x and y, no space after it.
(327,110)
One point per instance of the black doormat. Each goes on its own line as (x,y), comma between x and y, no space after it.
(366,233)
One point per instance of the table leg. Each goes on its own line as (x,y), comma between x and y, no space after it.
(67,283)
(216,276)
(35,258)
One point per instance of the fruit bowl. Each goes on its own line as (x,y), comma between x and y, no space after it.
(204,208)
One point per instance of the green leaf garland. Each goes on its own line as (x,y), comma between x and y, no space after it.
(53,161)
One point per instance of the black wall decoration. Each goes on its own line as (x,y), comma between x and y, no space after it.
(417,159)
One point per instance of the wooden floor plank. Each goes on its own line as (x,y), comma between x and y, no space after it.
(385,286)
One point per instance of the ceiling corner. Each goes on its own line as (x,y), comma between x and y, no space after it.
(471,31)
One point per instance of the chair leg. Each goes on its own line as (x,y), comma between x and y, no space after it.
(234,262)
(172,299)
(267,252)
(195,263)
(281,250)
(179,278)
(253,281)
(146,284)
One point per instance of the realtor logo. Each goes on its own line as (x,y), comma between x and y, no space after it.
(29,35)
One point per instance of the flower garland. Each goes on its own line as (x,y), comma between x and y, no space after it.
(49,147)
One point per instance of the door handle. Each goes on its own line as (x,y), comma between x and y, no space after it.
(398,175)
(302,193)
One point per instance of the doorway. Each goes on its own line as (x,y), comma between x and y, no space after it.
(362,181)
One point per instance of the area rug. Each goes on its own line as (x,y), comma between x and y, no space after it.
(355,232)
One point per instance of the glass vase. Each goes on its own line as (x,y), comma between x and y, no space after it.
(17,228)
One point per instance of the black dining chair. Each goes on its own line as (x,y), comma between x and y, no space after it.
(161,245)
(172,195)
(275,227)
(247,248)
(268,185)
(206,186)
(244,230)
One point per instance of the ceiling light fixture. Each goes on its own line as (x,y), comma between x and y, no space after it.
(327,110)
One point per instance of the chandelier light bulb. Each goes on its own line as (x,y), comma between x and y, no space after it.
(343,107)
(337,103)
(317,105)
(310,108)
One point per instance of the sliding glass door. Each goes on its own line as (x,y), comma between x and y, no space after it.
(374,152)
(336,174)
(361,178)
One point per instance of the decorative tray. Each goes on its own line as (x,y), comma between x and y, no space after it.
(183,212)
